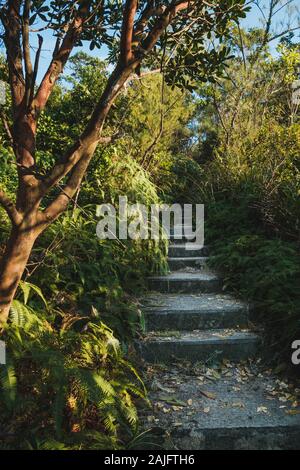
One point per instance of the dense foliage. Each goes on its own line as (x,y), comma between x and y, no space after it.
(249,152)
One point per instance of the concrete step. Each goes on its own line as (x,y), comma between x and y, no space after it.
(239,411)
(179,250)
(191,262)
(182,281)
(193,312)
(235,345)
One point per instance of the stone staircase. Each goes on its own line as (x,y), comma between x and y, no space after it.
(190,321)
(188,317)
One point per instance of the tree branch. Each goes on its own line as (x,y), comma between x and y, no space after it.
(6,126)
(283,33)
(11,21)
(148,12)
(26,51)
(60,57)
(91,134)
(163,22)
(36,67)
(10,207)
(59,205)
(127,31)
(78,157)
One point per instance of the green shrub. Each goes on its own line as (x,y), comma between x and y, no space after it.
(66,381)
(252,208)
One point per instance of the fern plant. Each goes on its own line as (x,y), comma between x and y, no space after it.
(59,382)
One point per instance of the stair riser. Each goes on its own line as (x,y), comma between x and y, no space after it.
(168,351)
(238,438)
(189,321)
(184,286)
(180,263)
(179,252)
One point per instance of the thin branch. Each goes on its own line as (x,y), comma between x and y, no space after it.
(59,205)
(283,6)
(26,50)
(260,9)
(162,102)
(6,126)
(220,117)
(59,60)
(36,67)
(10,207)
(268,24)
(144,74)
(242,49)
(149,12)
(163,22)
(279,35)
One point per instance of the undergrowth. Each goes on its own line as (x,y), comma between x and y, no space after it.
(250,188)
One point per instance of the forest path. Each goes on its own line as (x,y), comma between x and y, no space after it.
(207,385)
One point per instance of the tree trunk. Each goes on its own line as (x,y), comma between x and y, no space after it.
(13,264)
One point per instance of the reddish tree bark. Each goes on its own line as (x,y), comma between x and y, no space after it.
(13,264)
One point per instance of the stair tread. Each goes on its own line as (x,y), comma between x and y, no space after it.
(204,336)
(180,250)
(184,275)
(182,246)
(238,412)
(186,303)
(188,258)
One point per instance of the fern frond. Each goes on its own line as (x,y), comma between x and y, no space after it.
(8,385)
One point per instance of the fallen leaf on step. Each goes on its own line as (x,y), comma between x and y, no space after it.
(210,395)
(171,400)
(165,389)
(293,412)
(190,402)
(177,408)
(262,409)
(238,404)
(211,373)
(227,363)
(156,385)
(283,399)
(228,374)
